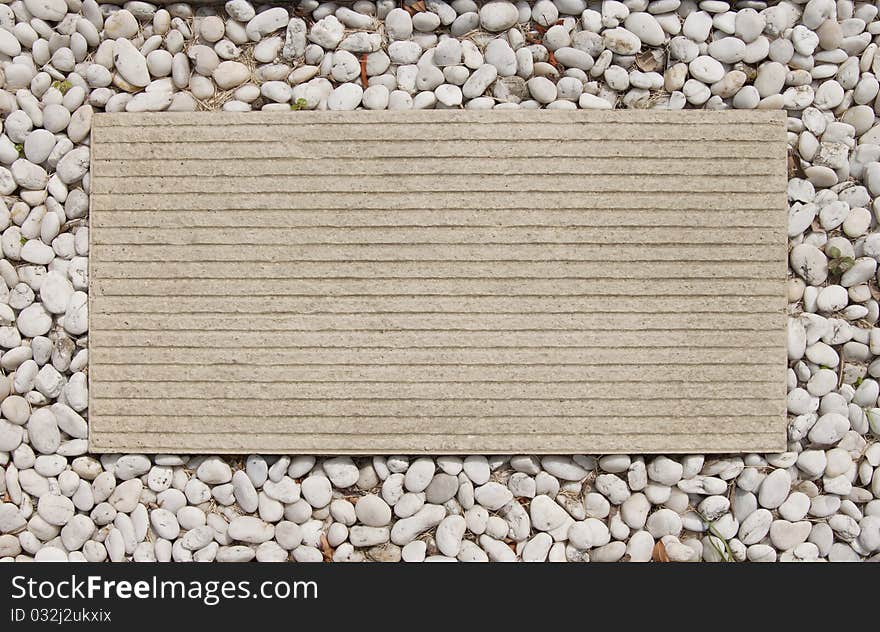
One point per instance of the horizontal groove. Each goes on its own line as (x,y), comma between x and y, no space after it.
(469,252)
(477,210)
(152,190)
(718,135)
(767,297)
(263,277)
(346,200)
(300,121)
(404,150)
(447,444)
(266,176)
(666,398)
(582,440)
(303,350)
(626,368)
(506,399)
(350,435)
(183,170)
(391,347)
(244,227)
(426,218)
(448,148)
(271,258)
(435,322)
(745,147)
(511,392)
(246,221)
(545,382)
(447,235)
(447,340)
(530,157)
(338,262)
(548,165)
(163,358)
(441,127)
(416,433)
(437,116)
(280,418)
(435,270)
(331,287)
(315,198)
(311,313)
(653,144)
(558,393)
(635,357)
(438,304)
(256,408)
(184,241)
(389,330)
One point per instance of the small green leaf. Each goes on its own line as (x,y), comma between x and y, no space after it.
(834,252)
(299,104)
(839,265)
(62,86)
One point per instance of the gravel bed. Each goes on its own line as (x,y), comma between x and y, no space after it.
(63,60)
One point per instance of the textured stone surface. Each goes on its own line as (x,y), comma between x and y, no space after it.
(442,312)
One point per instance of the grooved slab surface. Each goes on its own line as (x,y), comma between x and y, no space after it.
(448,282)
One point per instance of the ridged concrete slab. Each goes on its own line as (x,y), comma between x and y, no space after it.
(448,282)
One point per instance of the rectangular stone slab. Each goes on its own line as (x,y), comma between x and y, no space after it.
(438,281)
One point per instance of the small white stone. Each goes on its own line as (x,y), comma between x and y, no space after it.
(345,97)
(130,63)
(327,32)
(317,491)
(250,529)
(621,41)
(267,22)
(774,489)
(341,471)
(646,27)
(214,471)
(56,510)
(546,514)
(664,522)
(493,496)
(497,16)
(612,487)
(476,468)
(664,470)
(592,102)
(697,26)
(406,530)
(706,69)
(230,74)
(73,166)
(809,263)
(53,10)
(34,321)
(829,429)
(786,535)
(832,298)
(373,511)
(449,535)
(588,534)
(449,95)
